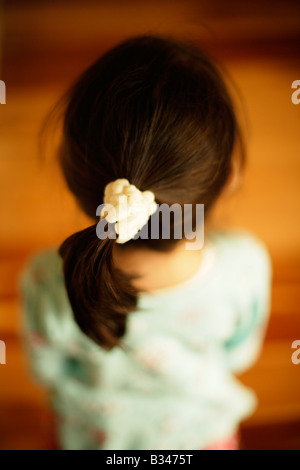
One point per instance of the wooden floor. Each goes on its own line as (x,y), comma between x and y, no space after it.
(44,46)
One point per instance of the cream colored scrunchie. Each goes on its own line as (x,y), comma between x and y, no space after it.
(128,207)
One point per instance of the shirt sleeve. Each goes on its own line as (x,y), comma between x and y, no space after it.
(52,340)
(253,288)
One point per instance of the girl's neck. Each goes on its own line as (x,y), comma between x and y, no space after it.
(158,270)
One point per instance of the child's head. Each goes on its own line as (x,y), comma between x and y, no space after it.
(156,112)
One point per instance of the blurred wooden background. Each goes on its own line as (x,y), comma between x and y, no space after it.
(44,46)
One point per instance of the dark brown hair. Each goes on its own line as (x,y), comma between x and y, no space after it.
(156,111)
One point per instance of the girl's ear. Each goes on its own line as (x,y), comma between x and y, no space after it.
(235,179)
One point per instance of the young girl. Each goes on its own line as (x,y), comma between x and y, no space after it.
(138,338)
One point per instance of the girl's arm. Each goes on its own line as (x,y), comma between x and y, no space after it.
(51,338)
(254,291)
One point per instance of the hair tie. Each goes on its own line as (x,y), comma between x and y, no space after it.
(129,207)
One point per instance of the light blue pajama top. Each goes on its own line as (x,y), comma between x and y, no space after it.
(172,386)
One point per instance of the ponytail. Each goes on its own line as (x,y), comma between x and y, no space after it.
(100,294)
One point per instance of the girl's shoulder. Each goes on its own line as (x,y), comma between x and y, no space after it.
(44,299)
(239,248)
(243,265)
(43,267)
